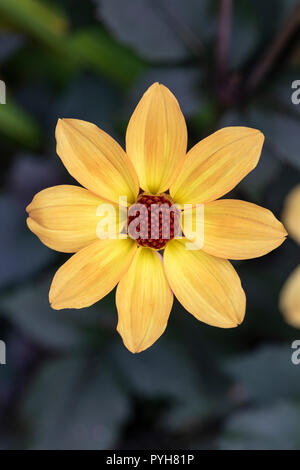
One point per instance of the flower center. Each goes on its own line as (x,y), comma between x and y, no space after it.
(153,220)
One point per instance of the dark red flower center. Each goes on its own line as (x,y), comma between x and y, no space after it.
(153,221)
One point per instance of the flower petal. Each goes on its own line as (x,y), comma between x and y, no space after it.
(237,229)
(291,213)
(156,139)
(207,287)
(217,164)
(290,299)
(96,160)
(91,273)
(65,217)
(144,301)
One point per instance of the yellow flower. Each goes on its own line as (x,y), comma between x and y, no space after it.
(204,281)
(289,301)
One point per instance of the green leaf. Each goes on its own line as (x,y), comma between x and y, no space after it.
(185,82)
(157,30)
(29,310)
(166,371)
(82,97)
(246,31)
(267,374)
(18,125)
(278,118)
(273,428)
(75,403)
(268,166)
(95,48)
(36,17)
(281,131)
(21,254)
(9,44)
(287,8)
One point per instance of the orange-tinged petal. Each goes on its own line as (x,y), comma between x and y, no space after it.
(96,160)
(91,273)
(65,217)
(217,164)
(207,287)
(156,139)
(144,301)
(238,230)
(290,299)
(291,213)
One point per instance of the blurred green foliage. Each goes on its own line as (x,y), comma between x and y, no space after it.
(69,382)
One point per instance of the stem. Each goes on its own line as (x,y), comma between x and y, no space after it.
(180,28)
(223,40)
(272,54)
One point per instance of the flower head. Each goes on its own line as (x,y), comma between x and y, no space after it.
(154,178)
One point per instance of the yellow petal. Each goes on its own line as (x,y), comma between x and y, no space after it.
(217,164)
(237,229)
(207,287)
(290,299)
(96,160)
(291,213)
(144,301)
(91,273)
(65,217)
(156,139)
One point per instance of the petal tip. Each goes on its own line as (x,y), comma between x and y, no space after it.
(54,307)
(59,125)
(239,322)
(134,350)
(54,303)
(154,85)
(152,88)
(28,207)
(28,223)
(62,122)
(282,232)
(157,87)
(261,136)
(257,135)
(128,344)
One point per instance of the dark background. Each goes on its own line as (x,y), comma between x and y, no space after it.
(69,382)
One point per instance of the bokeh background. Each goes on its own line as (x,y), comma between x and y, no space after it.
(69,382)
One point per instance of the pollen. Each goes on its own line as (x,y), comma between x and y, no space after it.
(153,220)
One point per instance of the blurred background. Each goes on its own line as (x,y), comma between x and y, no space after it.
(69,383)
